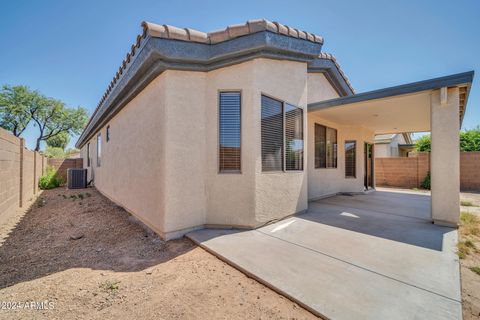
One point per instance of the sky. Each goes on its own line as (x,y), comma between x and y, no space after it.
(70,50)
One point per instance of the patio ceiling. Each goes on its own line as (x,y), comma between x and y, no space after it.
(404,108)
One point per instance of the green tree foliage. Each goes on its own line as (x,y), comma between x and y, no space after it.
(19,105)
(54,152)
(423,143)
(54,118)
(61,140)
(469,141)
(50,179)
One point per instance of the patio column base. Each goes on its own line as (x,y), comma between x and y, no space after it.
(445,223)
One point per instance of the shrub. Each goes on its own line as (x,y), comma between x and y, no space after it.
(426,182)
(423,143)
(49,180)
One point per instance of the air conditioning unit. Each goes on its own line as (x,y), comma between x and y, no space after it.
(76,178)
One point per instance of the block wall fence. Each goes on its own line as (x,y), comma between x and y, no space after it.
(20,170)
(410,172)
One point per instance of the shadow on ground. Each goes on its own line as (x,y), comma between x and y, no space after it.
(400,217)
(45,240)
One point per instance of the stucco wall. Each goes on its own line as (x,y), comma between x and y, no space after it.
(132,162)
(327,181)
(161,163)
(382,150)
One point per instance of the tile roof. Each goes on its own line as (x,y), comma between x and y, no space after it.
(331,57)
(191,35)
(230,32)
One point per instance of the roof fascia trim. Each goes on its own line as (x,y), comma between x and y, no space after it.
(447,81)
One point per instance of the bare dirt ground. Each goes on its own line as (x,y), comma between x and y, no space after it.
(469,253)
(85,258)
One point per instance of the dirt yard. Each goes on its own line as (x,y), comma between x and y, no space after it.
(76,255)
(469,253)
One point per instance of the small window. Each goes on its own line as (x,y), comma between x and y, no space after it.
(350,159)
(99,149)
(107,136)
(325,147)
(229,132)
(88,154)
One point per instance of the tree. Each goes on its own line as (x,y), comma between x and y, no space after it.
(54,118)
(17,104)
(423,143)
(61,140)
(469,141)
(54,152)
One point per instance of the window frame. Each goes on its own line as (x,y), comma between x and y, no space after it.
(355,159)
(326,149)
(88,155)
(99,154)
(219,92)
(284,157)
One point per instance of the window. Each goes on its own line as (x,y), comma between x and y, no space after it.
(293,137)
(107,136)
(325,147)
(229,132)
(281,135)
(350,159)
(99,149)
(88,154)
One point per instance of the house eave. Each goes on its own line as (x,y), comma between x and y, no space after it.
(156,55)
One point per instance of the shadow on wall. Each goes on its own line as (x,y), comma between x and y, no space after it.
(45,240)
(388,215)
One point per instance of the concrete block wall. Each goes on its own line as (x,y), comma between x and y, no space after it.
(410,172)
(20,170)
(402,172)
(470,171)
(61,165)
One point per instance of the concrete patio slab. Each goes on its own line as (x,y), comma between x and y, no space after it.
(353,257)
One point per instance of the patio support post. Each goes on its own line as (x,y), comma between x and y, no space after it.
(445,156)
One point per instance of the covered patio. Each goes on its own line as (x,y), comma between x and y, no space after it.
(435,105)
(364,256)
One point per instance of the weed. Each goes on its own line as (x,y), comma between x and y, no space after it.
(64,196)
(80,195)
(462,250)
(465,203)
(476,270)
(73,197)
(88,194)
(110,286)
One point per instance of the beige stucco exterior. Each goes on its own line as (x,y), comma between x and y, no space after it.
(390,148)
(161,162)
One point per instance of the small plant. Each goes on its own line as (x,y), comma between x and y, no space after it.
(110,286)
(80,195)
(470,224)
(465,203)
(49,180)
(73,197)
(426,182)
(88,194)
(462,250)
(476,270)
(64,196)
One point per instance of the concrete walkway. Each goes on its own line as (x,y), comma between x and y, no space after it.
(372,256)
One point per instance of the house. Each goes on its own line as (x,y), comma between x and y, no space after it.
(393,145)
(246,125)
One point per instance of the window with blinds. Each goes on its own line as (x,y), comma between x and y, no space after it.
(282,136)
(272,134)
(350,159)
(229,132)
(325,147)
(293,138)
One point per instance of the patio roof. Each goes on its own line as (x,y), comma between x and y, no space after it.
(404,108)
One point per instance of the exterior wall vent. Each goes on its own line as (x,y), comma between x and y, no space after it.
(76,178)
